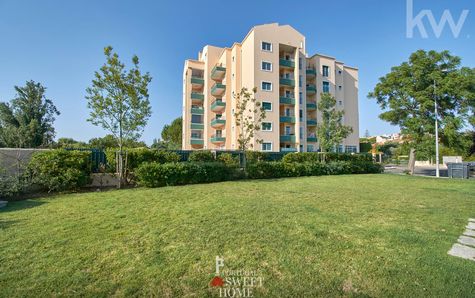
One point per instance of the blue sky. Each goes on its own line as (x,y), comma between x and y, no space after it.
(60,44)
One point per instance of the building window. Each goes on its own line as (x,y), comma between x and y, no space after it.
(267,106)
(266,126)
(300,63)
(301,132)
(340,102)
(339,87)
(325,70)
(266,46)
(350,149)
(267,66)
(196,118)
(326,87)
(300,97)
(339,72)
(300,80)
(267,86)
(266,146)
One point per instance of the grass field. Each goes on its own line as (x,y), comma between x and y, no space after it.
(355,235)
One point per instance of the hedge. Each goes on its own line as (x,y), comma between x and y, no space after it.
(137,156)
(58,170)
(299,157)
(153,174)
(275,169)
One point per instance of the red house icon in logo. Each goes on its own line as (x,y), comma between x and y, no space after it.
(217,282)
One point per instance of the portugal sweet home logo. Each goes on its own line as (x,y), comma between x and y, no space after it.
(235,283)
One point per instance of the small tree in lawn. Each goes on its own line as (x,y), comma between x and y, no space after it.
(330,130)
(119,101)
(249,114)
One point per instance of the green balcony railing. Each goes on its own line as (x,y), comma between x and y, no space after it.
(311,121)
(218,139)
(198,111)
(311,105)
(218,105)
(287,139)
(287,82)
(218,72)
(197,95)
(286,100)
(287,119)
(311,139)
(197,141)
(218,122)
(197,126)
(311,72)
(288,149)
(218,88)
(286,63)
(197,81)
(311,89)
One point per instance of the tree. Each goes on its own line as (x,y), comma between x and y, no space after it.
(109,141)
(407,96)
(172,134)
(70,143)
(119,101)
(249,114)
(330,130)
(27,121)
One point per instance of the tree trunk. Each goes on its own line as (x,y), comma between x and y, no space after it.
(120,166)
(412,161)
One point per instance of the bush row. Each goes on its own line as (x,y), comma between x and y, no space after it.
(154,174)
(276,169)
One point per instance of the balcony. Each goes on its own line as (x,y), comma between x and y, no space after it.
(286,100)
(287,139)
(197,97)
(311,105)
(217,139)
(311,72)
(197,111)
(197,81)
(287,82)
(218,73)
(288,149)
(217,123)
(218,89)
(312,122)
(194,141)
(311,89)
(287,119)
(312,139)
(286,63)
(218,106)
(197,126)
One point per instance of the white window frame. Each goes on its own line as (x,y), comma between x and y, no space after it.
(271,146)
(271,46)
(271,106)
(271,126)
(262,82)
(262,64)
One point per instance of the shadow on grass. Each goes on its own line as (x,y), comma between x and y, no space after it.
(20,205)
(5,224)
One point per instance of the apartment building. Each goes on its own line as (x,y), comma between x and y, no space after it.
(289,83)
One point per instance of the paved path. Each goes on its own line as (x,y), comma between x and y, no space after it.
(465,246)
(421,171)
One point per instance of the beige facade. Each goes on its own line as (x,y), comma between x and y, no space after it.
(289,83)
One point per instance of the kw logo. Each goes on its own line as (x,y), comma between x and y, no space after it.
(417,21)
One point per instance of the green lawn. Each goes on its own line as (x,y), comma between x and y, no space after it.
(361,235)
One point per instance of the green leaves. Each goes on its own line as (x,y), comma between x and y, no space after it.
(249,114)
(408,92)
(119,99)
(330,130)
(27,121)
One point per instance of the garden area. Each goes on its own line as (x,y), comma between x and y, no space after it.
(350,235)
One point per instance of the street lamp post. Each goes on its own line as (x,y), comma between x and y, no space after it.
(437,170)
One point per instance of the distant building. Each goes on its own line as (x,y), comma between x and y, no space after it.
(395,137)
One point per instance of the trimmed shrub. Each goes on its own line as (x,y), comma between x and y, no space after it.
(300,157)
(255,156)
(58,170)
(228,159)
(201,156)
(153,174)
(265,170)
